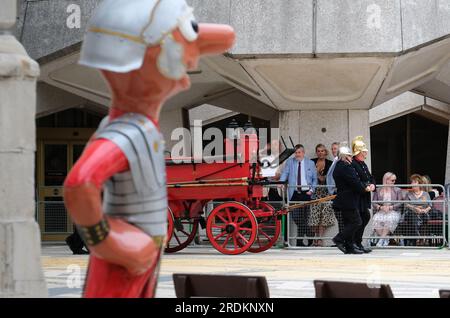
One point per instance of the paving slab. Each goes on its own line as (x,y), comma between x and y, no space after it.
(289,272)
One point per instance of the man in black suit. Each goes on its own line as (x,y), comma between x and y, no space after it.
(349,191)
(360,153)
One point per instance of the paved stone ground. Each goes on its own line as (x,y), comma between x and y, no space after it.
(290,272)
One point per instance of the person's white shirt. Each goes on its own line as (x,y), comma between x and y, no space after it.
(303,176)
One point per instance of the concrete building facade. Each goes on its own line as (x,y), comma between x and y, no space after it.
(320,70)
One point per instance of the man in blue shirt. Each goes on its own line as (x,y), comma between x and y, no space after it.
(301,175)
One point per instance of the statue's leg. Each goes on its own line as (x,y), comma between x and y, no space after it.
(107,280)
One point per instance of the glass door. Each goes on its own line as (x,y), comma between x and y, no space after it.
(55,159)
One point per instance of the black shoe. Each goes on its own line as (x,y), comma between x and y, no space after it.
(80,252)
(362,248)
(341,246)
(77,249)
(69,243)
(354,250)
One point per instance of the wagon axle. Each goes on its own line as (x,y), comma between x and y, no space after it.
(230,228)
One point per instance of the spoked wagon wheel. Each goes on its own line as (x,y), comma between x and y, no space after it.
(231,228)
(170,224)
(269,229)
(183,233)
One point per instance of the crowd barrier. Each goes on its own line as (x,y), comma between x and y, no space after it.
(403,222)
(393,223)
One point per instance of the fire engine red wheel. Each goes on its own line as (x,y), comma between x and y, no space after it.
(169,224)
(231,228)
(269,229)
(183,233)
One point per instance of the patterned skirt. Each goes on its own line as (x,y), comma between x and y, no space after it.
(388,220)
(322,213)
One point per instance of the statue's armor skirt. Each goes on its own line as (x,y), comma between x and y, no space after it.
(139,195)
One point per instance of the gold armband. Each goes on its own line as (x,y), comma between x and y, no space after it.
(95,234)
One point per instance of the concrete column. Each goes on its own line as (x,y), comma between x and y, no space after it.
(20,250)
(311,127)
(322,127)
(290,126)
(169,121)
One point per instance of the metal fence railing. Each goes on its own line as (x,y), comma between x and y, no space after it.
(400,222)
(412,221)
(312,225)
(397,218)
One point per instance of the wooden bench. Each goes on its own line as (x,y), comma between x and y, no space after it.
(198,285)
(444,293)
(333,289)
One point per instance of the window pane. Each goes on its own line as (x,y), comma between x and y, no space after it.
(55,164)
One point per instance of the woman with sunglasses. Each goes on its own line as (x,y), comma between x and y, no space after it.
(386,213)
